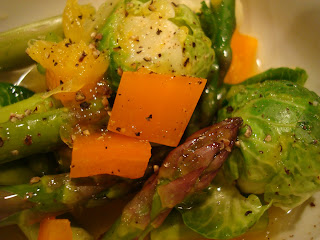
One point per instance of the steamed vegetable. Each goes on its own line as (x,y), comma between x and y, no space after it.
(221,212)
(109,153)
(159,111)
(72,69)
(35,104)
(173,228)
(187,170)
(10,94)
(55,229)
(169,39)
(14,43)
(218,23)
(36,133)
(243,64)
(54,195)
(278,147)
(32,231)
(13,173)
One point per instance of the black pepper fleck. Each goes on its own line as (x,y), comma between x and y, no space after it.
(138,134)
(247,213)
(85,105)
(118,129)
(186,62)
(149,117)
(28,140)
(229,109)
(287,171)
(83,55)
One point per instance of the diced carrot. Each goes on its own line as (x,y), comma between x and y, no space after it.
(155,107)
(55,229)
(243,65)
(109,153)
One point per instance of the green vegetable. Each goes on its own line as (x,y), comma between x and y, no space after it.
(278,147)
(34,104)
(297,75)
(36,133)
(187,170)
(226,21)
(169,39)
(10,94)
(173,228)
(218,23)
(19,172)
(50,196)
(14,43)
(223,213)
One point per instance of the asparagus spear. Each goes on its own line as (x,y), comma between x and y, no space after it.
(36,133)
(14,43)
(53,195)
(19,172)
(218,23)
(34,104)
(187,170)
(226,22)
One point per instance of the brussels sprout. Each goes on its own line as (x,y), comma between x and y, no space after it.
(158,35)
(278,153)
(221,212)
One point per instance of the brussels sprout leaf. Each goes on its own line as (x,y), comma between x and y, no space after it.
(223,212)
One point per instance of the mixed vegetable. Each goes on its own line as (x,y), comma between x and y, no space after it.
(153,104)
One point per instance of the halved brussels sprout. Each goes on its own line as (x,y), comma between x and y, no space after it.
(279,150)
(157,35)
